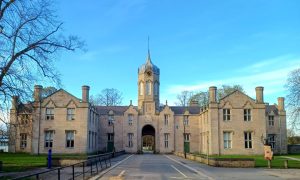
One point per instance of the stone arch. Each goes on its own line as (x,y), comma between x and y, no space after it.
(148,138)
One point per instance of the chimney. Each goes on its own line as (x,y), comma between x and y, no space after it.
(37,93)
(85,93)
(14,102)
(259,94)
(280,103)
(212,94)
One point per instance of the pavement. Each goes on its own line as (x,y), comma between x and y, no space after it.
(162,167)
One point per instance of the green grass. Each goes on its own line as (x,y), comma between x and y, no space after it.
(277,162)
(13,162)
(16,162)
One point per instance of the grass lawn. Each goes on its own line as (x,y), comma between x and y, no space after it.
(14,162)
(277,162)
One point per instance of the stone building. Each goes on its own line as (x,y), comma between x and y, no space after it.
(235,124)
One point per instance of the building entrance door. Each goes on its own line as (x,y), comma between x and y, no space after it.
(148,139)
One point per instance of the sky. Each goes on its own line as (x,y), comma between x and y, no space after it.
(195,43)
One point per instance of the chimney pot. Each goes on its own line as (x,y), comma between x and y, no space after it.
(85,93)
(259,94)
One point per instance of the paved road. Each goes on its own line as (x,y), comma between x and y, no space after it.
(152,167)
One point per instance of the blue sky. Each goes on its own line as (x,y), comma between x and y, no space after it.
(195,44)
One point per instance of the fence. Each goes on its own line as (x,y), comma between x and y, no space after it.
(82,170)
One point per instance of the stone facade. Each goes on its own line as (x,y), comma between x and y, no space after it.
(235,124)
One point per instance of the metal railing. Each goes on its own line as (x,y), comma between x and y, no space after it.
(94,164)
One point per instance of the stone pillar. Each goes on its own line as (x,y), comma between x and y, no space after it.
(37,93)
(280,103)
(259,94)
(212,94)
(85,93)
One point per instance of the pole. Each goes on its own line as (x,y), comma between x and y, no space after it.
(113,153)
(184,150)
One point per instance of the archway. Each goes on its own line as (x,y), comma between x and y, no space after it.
(148,139)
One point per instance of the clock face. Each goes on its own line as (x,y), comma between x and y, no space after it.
(149,73)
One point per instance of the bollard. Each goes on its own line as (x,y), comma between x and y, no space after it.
(269,164)
(0,166)
(286,166)
(49,159)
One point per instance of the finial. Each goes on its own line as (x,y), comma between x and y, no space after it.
(130,102)
(148,58)
(166,102)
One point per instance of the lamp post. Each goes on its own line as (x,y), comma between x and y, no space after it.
(113,127)
(184,124)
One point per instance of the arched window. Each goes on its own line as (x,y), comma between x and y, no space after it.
(148,88)
(141,88)
(156,88)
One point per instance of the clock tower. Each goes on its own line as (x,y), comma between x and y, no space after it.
(148,87)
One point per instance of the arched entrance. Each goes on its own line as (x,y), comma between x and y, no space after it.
(148,139)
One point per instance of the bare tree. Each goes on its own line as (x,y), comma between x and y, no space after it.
(293,98)
(31,38)
(227,89)
(183,99)
(108,97)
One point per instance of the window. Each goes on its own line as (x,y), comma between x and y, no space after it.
(247,114)
(166,119)
(226,114)
(248,140)
(130,119)
(185,120)
(70,114)
(271,120)
(110,120)
(141,88)
(130,142)
(23,142)
(156,88)
(227,140)
(271,140)
(110,137)
(90,138)
(49,113)
(70,139)
(148,88)
(186,137)
(166,135)
(49,139)
(96,137)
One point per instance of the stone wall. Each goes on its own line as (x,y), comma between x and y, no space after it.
(221,162)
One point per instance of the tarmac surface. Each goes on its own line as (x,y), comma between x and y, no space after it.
(162,167)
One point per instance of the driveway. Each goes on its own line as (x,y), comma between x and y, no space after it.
(152,167)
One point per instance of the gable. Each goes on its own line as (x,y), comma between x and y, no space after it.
(237,99)
(61,98)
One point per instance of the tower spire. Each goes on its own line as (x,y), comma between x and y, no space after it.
(148,58)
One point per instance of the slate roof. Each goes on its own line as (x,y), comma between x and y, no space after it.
(270,108)
(118,110)
(181,109)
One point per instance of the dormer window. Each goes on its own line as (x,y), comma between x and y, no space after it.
(70,114)
(49,113)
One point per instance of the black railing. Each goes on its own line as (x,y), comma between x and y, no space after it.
(94,164)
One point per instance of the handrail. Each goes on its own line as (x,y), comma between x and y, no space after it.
(90,159)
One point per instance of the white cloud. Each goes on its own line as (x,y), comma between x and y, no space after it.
(270,73)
